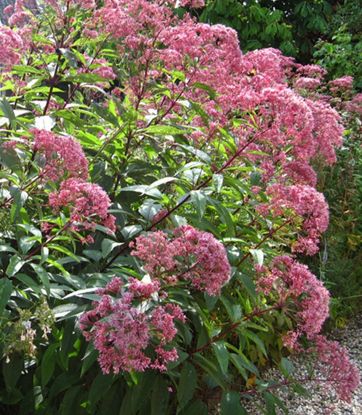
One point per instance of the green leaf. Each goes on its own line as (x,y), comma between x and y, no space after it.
(108,245)
(270,403)
(164,180)
(8,112)
(238,363)
(257,340)
(218,180)
(65,311)
(63,382)
(29,282)
(100,386)
(69,401)
(43,276)
(48,364)
(26,243)
(103,112)
(248,284)
(149,209)
(195,408)
(6,288)
(12,371)
(198,199)
(85,77)
(211,369)
(166,130)
(160,397)
(15,265)
(10,159)
(187,384)
(258,256)
(84,293)
(230,404)
(64,251)
(300,390)
(7,248)
(89,358)
(222,356)
(286,367)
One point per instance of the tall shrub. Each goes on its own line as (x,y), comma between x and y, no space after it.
(157,189)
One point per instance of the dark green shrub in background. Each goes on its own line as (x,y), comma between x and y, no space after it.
(292,26)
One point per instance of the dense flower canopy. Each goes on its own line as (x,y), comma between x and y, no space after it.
(185,168)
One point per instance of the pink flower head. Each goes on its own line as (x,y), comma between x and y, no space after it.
(307,204)
(205,259)
(340,373)
(195,4)
(86,4)
(88,204)
(63,156)
(124,333)
(313,71)
(306,292)
(307,83)
(155,250)
(355,105)
(191,255)
(345,83)
(11,46)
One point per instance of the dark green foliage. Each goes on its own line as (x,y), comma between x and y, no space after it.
(292,26)
(340,52)
(340,259)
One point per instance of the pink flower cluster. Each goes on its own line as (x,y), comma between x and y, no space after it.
(88,204)
(19,14)
(306,292)
(340,373)
(63,156)
(11,46)
(304,202)
(195,4)
(307,83)
(355,105)
(64,161)
(124,331)
(191,255)
(86,4)
(341,84)
(298,289)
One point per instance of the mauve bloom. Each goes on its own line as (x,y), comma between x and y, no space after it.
(63,156)
(88,204)
(191,255)
(340,373)
(11,47)
(124,333)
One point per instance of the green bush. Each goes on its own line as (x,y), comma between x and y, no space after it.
(156,188)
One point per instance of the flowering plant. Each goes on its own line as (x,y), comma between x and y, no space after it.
(157,187)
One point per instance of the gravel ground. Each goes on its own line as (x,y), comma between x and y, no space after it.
(319,402)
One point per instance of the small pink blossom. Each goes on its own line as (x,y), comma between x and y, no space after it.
(87,203)
(124,333)
(63,156)
(340,373)
(307,293)
(191,255)
(11,47)
(344,83)
(307,83)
